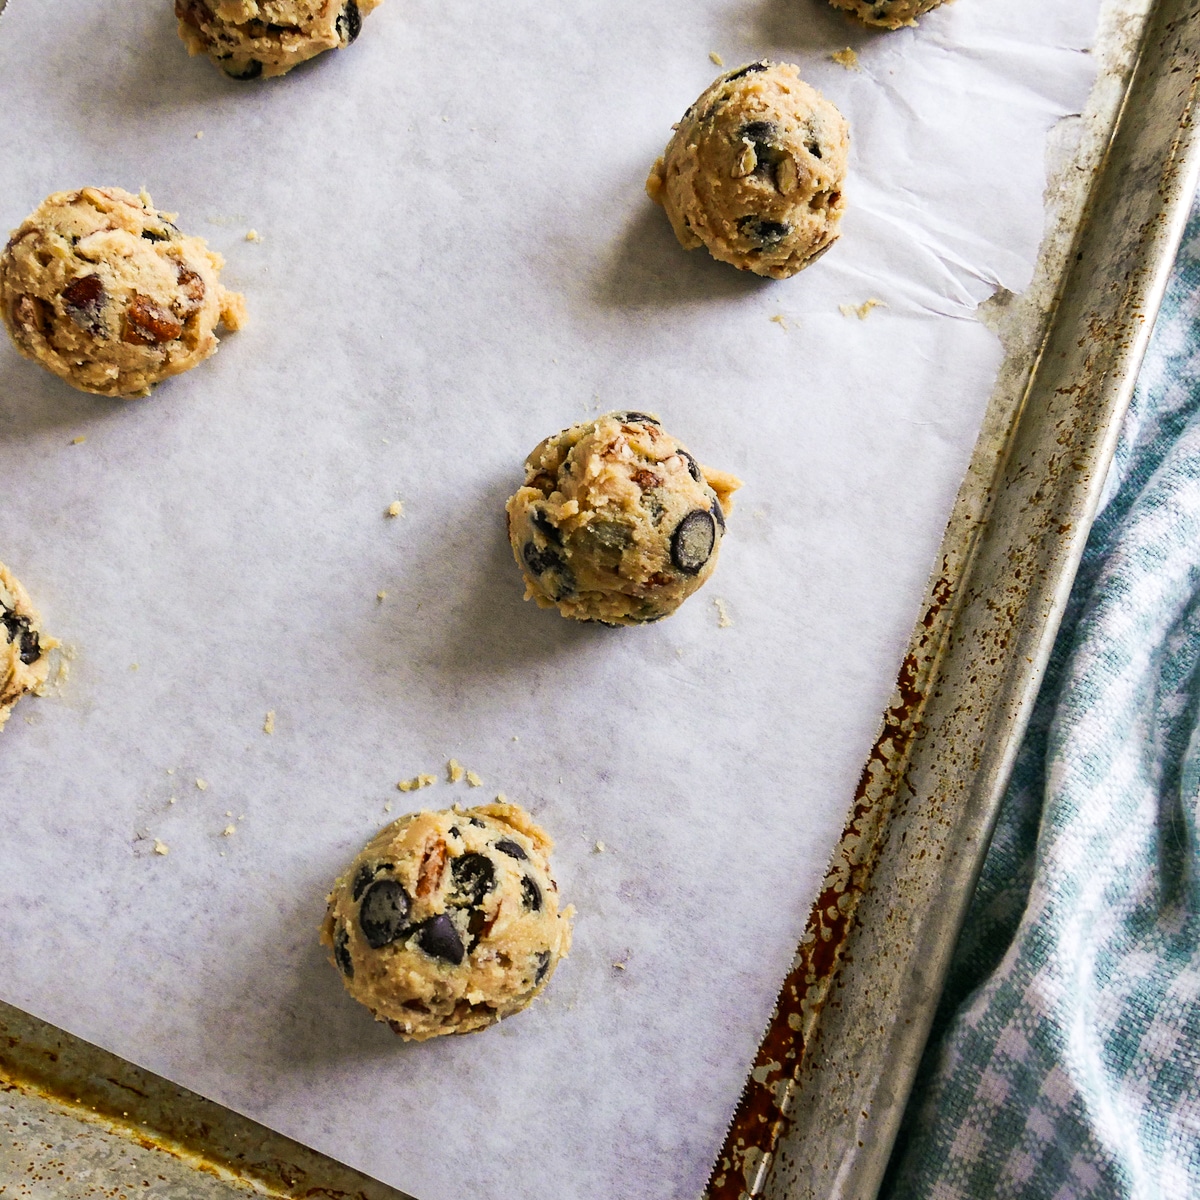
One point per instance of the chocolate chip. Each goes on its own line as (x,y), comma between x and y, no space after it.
(363,878)
(746,70)
(251,70)
(531,895)
(83,298)
(636,418)
(341,952)
(439,939)
(546,527)
(477,822)
(542,958)
(168,232)
(718,512)
(765,233)
(383,914)
(473,876)
(509,847)
(454,831)
(349,23)
(693,540)
(19,627)
(692,465)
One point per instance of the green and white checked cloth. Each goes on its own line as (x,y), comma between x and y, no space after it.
(1065,1057)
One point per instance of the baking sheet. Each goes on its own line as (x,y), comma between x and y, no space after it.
(456,260)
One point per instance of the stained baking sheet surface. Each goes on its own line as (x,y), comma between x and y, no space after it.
(457,259)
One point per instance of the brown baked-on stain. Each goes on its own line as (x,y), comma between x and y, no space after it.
(761,1117)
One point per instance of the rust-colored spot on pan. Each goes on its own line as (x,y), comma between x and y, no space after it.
(762,1116)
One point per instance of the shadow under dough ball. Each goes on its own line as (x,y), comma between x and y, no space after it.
(616,521)
(105,291)
(251,38)
(755,171)
(448,921)
(889,14)
(24,663)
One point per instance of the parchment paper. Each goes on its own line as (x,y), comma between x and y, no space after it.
(456,260)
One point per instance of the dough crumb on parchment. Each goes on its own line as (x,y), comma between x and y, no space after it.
(269,721)
(861,311)
(724,620)
(846,58)
(415,783)
(395,509)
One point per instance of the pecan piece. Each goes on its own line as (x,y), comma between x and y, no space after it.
(192,287)
(30,315)
(148,324)
(431,869)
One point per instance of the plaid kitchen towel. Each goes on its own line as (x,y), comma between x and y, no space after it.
(1065,1057)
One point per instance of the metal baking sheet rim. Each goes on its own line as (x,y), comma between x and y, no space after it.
(822,1105)
(823,1102)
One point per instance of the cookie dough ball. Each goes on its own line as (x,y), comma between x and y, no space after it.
(249,38)
(448,921)
(102,289)
(617,522)
(755,171)
(24,662)
(890,14)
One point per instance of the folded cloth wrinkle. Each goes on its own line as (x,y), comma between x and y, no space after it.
(1064,1061)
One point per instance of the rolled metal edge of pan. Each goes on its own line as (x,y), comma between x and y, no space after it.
(112,1126)
(821,1108)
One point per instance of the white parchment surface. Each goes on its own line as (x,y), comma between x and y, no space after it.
(457,259)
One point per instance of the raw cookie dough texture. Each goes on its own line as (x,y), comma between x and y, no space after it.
(448,921)
(24,662)
(890,14)
(755,171)
(249,38)
(102,289)
(617,522)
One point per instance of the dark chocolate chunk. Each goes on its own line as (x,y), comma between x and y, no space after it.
(252,70)
(477,925)
(383,913)
(477,822)
(83,298)
(814,148)
(509,847)
(692,465)
(760,131)
(473,876)
(18,627)
(764,232)
(542,958)
(341,952)
(546,527)
(746,70)
(636,418)
(349,23)
(541,561)
(439,939)
(454,831)
(531,895)
(693,540)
